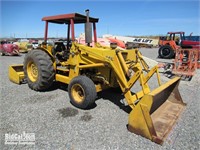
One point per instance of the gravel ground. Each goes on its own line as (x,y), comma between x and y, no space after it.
(58,125)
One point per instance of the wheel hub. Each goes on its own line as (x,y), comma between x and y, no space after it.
(78,93)
(32,71)
(166,51)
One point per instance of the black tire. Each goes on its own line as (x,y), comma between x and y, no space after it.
(38,70)
(166,52)
(82,92)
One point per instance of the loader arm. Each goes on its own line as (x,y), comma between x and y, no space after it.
(148,107)
(115,60)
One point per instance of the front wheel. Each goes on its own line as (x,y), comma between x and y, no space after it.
(82,92)
(166,52)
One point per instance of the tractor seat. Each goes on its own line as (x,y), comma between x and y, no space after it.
(59,46)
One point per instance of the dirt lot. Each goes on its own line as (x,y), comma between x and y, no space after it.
(59,125)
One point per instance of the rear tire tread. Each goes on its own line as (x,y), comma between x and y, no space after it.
(46,71)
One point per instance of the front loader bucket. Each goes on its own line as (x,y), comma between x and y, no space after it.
(155,114)
(16,74)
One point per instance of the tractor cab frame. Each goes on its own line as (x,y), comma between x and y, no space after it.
(70,20)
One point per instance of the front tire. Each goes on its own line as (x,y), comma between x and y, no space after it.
(38,70)
(82,92)
(166,52)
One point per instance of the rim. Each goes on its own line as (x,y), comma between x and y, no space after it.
(78,93)
(32,71)
(166,51)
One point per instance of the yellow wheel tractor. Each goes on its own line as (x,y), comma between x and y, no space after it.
(24,46)
(89,70)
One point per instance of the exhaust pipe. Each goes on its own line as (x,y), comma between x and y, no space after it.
(88,29)
(87,11)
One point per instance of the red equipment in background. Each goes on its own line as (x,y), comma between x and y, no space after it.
(7,48)
(186,62)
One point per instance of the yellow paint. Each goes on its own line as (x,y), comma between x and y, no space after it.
(32,71)
(16,73)
(78,93)
(110,68)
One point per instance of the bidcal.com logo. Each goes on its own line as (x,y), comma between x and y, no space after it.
(24,138)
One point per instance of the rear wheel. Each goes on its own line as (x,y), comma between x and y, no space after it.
(82,92)
(38,70)
(166,52)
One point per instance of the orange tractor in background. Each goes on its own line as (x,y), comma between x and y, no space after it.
(186,53)
(173,41)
